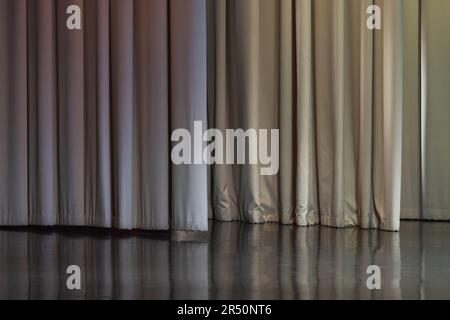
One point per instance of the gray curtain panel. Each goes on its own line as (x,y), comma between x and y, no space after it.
(86,115)
(359,144)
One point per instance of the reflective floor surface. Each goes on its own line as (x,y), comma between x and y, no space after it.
(240,261)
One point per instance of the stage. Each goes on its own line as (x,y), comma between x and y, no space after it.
(233,261)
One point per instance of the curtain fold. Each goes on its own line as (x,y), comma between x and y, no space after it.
(411,159)
(86,114)
(188,101)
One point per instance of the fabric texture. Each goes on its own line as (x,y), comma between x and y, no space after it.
(86,115)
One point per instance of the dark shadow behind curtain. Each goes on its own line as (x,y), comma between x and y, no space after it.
(86,115)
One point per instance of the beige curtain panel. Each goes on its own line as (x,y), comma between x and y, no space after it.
(86,115)
(363,115)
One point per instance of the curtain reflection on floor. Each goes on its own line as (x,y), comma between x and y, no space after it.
(240,261)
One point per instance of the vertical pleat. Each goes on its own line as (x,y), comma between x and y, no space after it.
(211,62)
(188,104)
(265,112)
(103,116)
(224,196)
(71,119)
(411,140)
(306,210)
(104,110)
(377,122)
(338,112)
(42,113)
(363,101)
(286,109)
(241,188)
(152,105)
(122,13)
(334,114)
(13,113)
(389,126)
(97,114)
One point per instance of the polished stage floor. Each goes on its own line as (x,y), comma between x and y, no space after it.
(239,261)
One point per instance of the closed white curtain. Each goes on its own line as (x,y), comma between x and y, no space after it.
(86,115)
